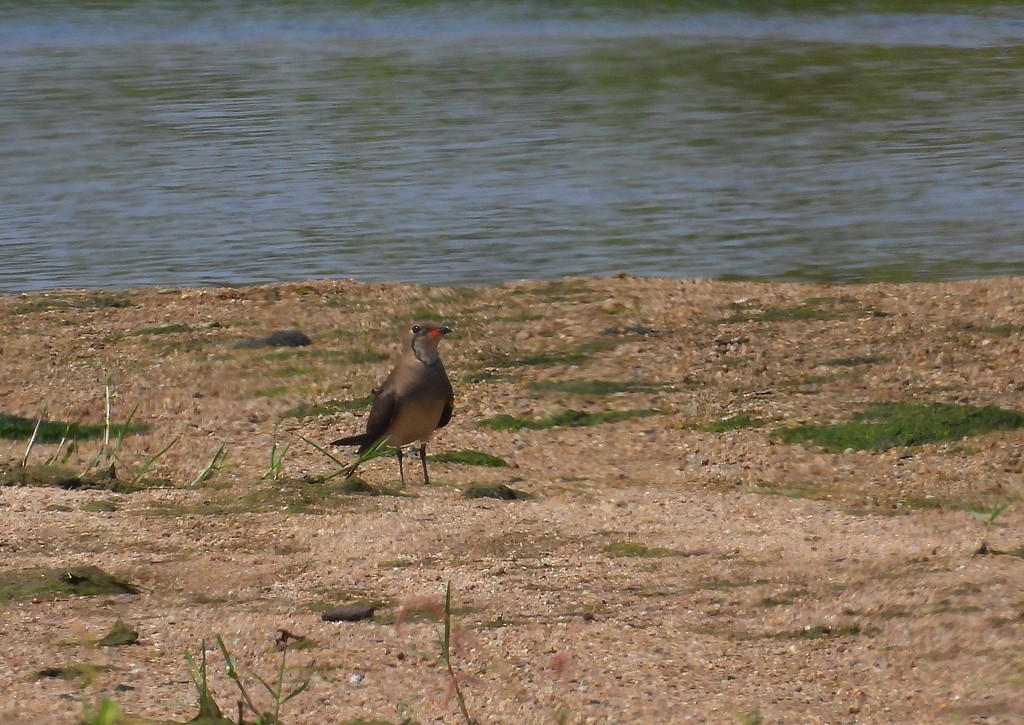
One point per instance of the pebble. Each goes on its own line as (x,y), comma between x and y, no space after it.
(348,613)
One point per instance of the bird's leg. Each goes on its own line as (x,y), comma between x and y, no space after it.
(401,468)
(423,458)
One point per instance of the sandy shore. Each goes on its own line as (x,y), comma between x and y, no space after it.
(665,569)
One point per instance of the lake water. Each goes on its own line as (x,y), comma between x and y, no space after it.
(477,142)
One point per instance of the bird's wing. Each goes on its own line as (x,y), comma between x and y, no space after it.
(446,414)
(382,412)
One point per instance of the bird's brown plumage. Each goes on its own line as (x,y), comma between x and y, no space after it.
(415,400)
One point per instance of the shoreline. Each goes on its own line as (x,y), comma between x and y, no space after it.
(897,279)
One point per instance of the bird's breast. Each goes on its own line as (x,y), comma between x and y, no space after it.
(415,421)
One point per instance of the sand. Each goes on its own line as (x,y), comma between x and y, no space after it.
(661,571)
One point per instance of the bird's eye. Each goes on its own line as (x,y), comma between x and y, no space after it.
(416,329)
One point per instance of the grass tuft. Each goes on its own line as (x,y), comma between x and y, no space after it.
(849,362)
(595,387)
(988,520)
(163,329)
(328,407)
(61,476)
(636,549)
(275,687)
(47,302)
(734,422)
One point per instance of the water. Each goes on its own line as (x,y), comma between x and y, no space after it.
(476,142)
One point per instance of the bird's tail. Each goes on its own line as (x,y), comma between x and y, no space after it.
(362,440)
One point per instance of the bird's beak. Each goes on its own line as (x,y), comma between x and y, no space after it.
(443,330)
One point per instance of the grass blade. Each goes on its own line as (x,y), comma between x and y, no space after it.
(32,439)
(229,661)
(378,449)
(108,395)
(152,460)
(123,430)
(297,691)
(212,467)
(322,450)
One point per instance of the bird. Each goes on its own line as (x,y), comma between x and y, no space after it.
(414,400)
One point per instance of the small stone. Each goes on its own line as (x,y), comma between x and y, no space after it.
(498,491)
(119,636)
(348,613)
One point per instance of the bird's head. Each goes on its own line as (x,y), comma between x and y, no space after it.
(423,338)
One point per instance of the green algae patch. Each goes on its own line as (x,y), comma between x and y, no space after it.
(59,476)
(856,360)
(469,458)
(306,496)
(565,419)
(636,549)
(58,583)
(894,425)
